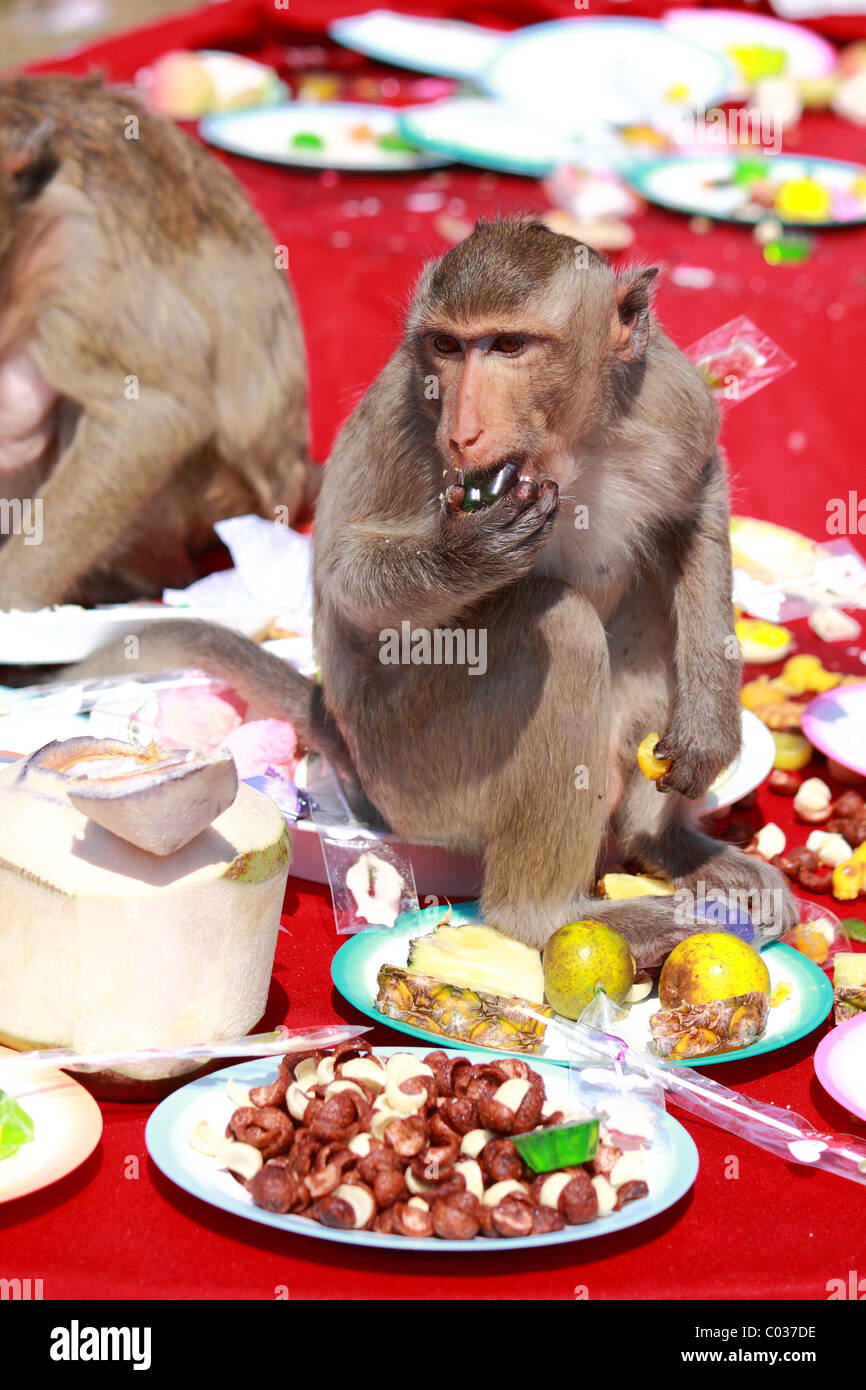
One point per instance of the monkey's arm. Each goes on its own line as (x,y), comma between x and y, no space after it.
(705,728)
(385,576)
(122,452)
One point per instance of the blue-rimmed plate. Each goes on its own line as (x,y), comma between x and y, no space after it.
(703,185)
(318,135)
(804,1000)
(671,1166)
(620,71)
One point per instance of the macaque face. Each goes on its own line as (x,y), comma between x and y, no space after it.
(493,414)
(520,330)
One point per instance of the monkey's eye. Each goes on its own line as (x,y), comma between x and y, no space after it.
(445,345)
(510,344)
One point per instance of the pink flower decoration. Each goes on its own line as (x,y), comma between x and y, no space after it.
(263,744)
(197,717)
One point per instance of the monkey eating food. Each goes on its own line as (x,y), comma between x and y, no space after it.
(152,374)
(597,566)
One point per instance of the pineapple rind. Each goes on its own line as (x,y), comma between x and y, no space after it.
(468,1016)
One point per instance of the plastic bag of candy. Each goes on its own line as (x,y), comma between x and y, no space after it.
(737,359)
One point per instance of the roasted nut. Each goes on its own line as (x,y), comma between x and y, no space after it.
(770,841)
(606,1158)
(850,803)
(274,1188)
(545,1220)
(569,1192)
(340,1116)
(784,783)
(513,1216)
(406,1219)
(830,849)
(793,860)
(739,832)
(267,1129)
(457,1217)
(629,1192)
(514,1108)
(812,801)
(815,880)
(461,1114)
(407,1136)
(500,1160)
(350,1207)
(275,1094)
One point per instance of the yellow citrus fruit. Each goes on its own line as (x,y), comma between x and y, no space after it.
(711,965)
(581,958)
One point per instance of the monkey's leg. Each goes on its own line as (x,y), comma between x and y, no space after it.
(660,832)
(543,804)
(120,455)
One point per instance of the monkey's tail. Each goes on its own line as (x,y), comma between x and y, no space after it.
(269,685)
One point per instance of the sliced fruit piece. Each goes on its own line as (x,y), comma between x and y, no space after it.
(617,886)
(479,957)
(470,1016)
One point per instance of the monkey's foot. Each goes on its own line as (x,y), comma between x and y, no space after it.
(651,926)
(745,883)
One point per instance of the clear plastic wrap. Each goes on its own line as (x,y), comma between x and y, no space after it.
(780,1132)
(737,359)
(371,878)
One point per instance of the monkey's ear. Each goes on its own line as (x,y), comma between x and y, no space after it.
(30,161)
(631,321)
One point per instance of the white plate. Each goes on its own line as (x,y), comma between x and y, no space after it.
(808,55)
(588,72)
(67,1124)
(267,133)
(55,636)
(447,47)
(671,1167)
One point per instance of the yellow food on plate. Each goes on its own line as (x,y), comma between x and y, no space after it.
(781,992)
(804,674)
(711,966)
(811,940)
(580,959)
(762,642)
(617,886)
(849,985)
(848,880)
(759,692)
(651,766)
(771,554)
(478,957)
(793,751)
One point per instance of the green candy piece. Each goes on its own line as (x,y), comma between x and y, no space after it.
(396,144)
(855,928)
(789,251)
(561,1146)
(16,1126)
(307,140)
(748,170)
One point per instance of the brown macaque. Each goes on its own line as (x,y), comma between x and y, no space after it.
(152,373)
(598,574)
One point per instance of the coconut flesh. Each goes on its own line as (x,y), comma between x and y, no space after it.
(107,945)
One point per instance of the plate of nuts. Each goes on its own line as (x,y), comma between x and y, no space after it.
(413,1150)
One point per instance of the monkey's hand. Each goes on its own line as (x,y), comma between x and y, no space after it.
(505,537)
(699,749)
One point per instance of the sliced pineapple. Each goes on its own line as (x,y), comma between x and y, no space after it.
(635,886)
(478,957)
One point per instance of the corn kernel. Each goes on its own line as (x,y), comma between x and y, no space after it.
(651,766)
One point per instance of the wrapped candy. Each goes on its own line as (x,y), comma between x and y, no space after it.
(737,359)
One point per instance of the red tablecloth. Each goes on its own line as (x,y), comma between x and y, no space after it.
(116,1229)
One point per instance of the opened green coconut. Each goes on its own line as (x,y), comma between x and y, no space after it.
(107,945)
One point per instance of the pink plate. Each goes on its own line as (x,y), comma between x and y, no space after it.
(840,1065)
(67,1123)
(835,723)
